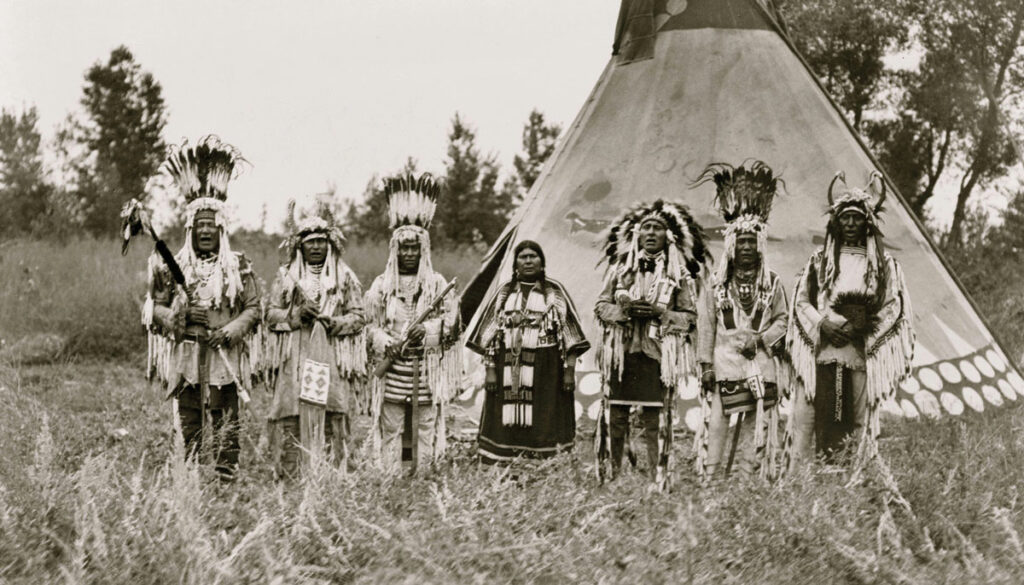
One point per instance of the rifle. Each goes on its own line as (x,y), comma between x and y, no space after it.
(385,364)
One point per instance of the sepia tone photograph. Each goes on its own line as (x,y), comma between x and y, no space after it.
(483,291)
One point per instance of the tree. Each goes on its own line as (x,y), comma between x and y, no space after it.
(845,42)
(368,219)
(920,145)
(539,140)
(24,192)
(125,118)
(473,208)
(980,43)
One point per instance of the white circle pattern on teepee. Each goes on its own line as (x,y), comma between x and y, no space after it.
(992,395)
(675,7)
(590,384)
(594,410)
(909,410)
(951,403)
(1007,390)
(950,373)
(690,388)
(927,404)
(1018,384)
(693,418)
(929,378)
(973,399)
(983,366)
(996,361)
(892,407)
(910,385)
(970,372)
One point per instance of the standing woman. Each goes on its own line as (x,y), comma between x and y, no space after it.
(530,336)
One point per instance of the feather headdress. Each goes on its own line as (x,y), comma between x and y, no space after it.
(685,238)
(411,200)
(744,197)
(201,172)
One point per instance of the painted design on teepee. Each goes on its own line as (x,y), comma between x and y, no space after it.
(722,83)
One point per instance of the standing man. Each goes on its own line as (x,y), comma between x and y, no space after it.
(316,349)
(741,325)
(413,331)
(202,340)
(655,257)
(850,331)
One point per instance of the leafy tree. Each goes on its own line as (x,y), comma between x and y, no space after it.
(125,118)
(845,42)
(24,192)
(921,145)
(952,109)
(473,209)
(539,140)
(368,219)
(979,42)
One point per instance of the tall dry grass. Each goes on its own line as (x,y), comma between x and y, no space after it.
(93,488)
(78,505)
(88,292)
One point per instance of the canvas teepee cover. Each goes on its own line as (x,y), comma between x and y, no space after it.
(700,81)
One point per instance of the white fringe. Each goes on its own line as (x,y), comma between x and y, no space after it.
(700,437)
(890,363)
(803,359)
(770,453)
(677,361)
(613,351)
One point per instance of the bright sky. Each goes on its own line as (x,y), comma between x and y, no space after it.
(319,91)
(316,91)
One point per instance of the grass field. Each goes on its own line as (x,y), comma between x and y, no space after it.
(87,292)
(92,490)
(78,504)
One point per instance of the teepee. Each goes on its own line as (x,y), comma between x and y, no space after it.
(700,81)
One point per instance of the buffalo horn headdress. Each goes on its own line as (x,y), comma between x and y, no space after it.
(846,198)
